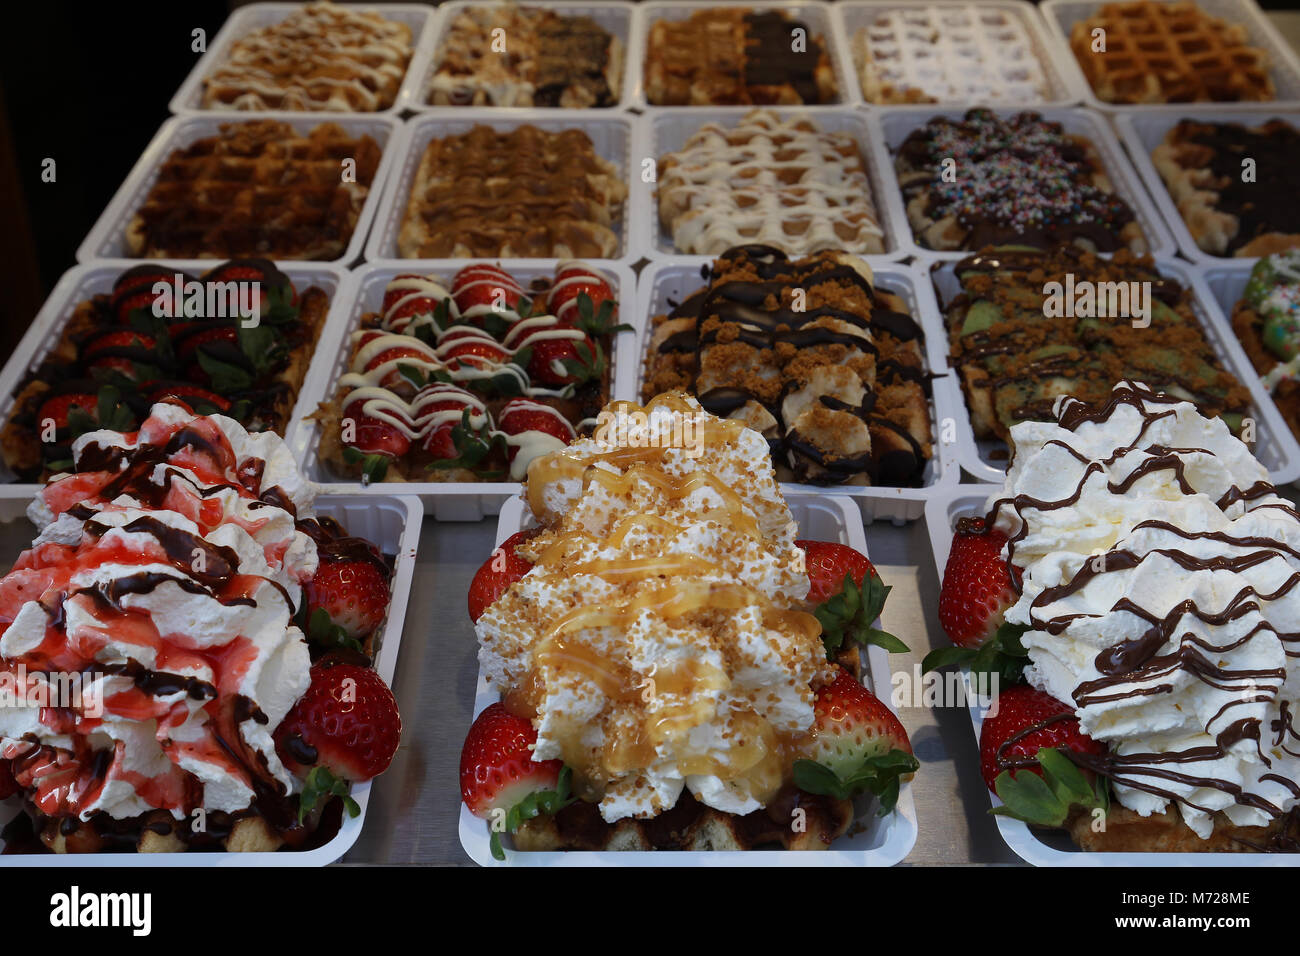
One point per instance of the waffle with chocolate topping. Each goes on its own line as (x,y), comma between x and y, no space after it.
(528,193)
(114,358)
(1016,180)
(1226,213)
(809,352)
(319,57)
(1029,326)
(257,188)
(1168,53)
(549,59)
(732,56)
(779,182)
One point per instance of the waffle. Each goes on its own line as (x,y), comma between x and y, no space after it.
(320,57)
(550,59)
(525,193)
(1201,164)
(691,825)
(80,362)
(1018,180)
(838,389)
(257,188)
(731,56)
(932,54)
(1128,832)
(1267,321)
(1013,359)
(1169,53)
(781,183)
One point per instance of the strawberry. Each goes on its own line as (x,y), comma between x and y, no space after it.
(118,339)
(564,294)
(375,443)
(353,594)
(217,333)
(191,395)
(400,286)
(1028,730)
(557,362)
(522,415)
(849,596)
(857,744)
(416,306)
(134,290)
(396,352)
(977,589)
(480,272)
(476,352)
(346,727)
(489,293)
(59,407)
(499,779)
(503,568)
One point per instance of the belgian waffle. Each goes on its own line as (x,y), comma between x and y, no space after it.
(782,183)
(91,352)
(731,56)
(929,54)
(1015,352)
(1201,164)
(257,188)
(549,59)
(1169,53)
(836,384)
(1019,180)
(321,57)
(527,192)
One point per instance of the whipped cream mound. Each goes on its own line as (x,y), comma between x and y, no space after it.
(658,639)
(1160,589)
(165,577)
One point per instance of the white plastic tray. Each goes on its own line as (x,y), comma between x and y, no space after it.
(84,281)
(1061,15)
(872,841)
(616,16)
(610,132)
(255,16)
(1044,847)
(676,279)
(665,130)
(891,127)
(1142,131)
(1275,446)
(856,14)
(445,501)
(391,522)
(815,14)
(107,238)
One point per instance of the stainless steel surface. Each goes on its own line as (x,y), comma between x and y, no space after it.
(415,807)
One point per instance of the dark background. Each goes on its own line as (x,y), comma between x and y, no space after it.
(86,85)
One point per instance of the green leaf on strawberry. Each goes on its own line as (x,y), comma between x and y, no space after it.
(413,374)
(851,615)
(322,630)
(373,466)
(261,344)
(881,776)
(1003,655)
(319,786)
(224,376)
(589,365)
(155,326)
(536,804)
(598,322)
(472,446)
(278,307)
(1048,800)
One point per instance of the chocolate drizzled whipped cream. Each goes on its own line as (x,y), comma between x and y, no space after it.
(1160,593)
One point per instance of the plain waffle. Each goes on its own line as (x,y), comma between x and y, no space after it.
(256,189)
(320,57)
(1018,180)
(782,183)
(1169,53)
(734,56)
(836,383)
(527,193)
(928,54)
(1201,164)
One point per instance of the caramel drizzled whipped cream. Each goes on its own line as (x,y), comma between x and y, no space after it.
(659,641)
(1160,589)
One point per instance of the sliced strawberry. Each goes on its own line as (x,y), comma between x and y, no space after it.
(503,568)
(353,594)
(1024,735)
(499,779)
(849,596)
(857,745)
(345,728)
(977,589)
(58,407)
